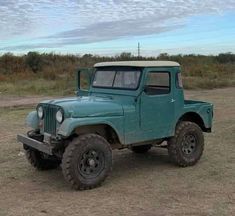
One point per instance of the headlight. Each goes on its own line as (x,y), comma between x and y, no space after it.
(40,112)
(59,116)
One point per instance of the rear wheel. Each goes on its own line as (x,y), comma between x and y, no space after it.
(87,161)
(141,149)
(186,147)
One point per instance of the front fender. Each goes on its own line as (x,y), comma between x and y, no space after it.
(32,120)
(70,124)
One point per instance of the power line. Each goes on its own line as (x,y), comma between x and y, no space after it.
(138,50)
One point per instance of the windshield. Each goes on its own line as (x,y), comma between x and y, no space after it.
(121,79)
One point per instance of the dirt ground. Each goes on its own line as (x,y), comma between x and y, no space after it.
(138,185)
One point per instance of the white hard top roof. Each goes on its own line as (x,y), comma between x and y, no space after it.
(139,64)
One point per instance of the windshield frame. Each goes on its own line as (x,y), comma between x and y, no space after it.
(116,69)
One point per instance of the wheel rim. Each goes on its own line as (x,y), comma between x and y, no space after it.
(189,144)
(91,163)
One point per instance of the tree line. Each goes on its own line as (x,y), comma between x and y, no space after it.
(50,66)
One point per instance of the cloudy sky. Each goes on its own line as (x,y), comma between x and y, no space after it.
(108,27)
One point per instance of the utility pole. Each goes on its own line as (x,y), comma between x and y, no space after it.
(138,50)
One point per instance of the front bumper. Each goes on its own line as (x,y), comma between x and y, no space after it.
(32,143)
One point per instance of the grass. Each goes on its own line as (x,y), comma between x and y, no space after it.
(207,83)
(38,87)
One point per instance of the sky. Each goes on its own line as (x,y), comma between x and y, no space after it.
(109,27)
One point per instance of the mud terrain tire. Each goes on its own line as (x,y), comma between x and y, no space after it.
(186,147)
(37,160)
(87,161)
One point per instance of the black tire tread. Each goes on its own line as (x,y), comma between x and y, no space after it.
(66,161)
(173,144)
(35,159)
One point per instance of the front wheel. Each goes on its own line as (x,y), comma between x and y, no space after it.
(186,147)
(87,161)
(41,161)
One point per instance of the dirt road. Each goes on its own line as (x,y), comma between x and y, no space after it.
(139,184)
(16,101)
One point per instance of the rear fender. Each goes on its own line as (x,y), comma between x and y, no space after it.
(203,117)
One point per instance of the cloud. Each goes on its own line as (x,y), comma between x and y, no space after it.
(104,31)
(56,23)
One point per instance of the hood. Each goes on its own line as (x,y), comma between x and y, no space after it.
(87,106)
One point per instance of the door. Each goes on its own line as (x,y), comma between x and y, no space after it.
(157,105)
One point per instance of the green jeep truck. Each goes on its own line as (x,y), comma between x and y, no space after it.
(132,104)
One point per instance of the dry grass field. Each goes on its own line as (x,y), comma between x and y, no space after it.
(139,184)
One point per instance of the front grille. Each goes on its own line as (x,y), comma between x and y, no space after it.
(50,118)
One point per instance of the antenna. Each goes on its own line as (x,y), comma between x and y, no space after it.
(138,49)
